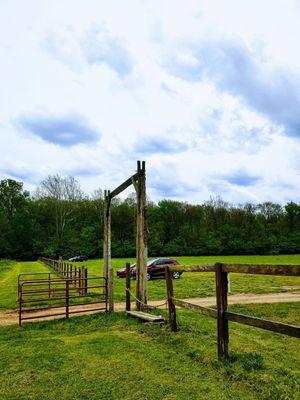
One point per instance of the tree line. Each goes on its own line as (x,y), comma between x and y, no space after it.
(58,219)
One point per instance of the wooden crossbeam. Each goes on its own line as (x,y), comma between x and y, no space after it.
(123,186)
(193,268)
(263,269)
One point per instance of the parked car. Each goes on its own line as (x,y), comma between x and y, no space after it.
(155,269)
(78,258)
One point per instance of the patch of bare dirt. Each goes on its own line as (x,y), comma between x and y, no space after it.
(11,317)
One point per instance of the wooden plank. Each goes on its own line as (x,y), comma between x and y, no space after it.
(145,316)
(123,186)
(279,327)
(193,268)
(221,294)
(171,305)
(263,269)
(209,312)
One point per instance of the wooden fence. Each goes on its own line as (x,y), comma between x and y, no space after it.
(78,274)
(222,314)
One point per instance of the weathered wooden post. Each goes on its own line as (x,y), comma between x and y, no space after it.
(67,299)
(85,280)
(74,276)
(221,294)
(58,265)
(128,304)
(111,289)
(141,239)
(107,241)
(107,234)
(80,280)
(171,305)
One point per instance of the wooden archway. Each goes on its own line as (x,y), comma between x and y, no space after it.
(138,180)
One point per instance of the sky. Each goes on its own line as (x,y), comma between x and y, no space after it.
(206,92)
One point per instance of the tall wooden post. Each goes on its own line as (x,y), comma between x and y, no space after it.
(171,305)
(106,235)
(221,293)
(128,272)
(141,239)
(111,289)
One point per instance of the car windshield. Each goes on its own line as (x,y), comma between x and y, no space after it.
(148,263)
(151,262)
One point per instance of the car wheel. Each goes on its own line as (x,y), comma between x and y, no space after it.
(148,276)
(176,275)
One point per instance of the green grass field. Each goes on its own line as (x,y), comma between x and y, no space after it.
(203,284)
(113,357)
(189,285)
(110,356)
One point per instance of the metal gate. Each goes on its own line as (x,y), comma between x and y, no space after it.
(43,295)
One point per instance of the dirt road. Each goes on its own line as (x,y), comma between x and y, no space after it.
(11,317)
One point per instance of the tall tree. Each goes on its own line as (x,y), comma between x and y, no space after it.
(12,196)
(63,193)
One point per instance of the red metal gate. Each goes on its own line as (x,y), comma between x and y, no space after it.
(39,296)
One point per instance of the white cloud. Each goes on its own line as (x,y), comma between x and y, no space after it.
(191,134)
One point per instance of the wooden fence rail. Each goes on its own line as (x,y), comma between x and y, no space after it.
(222,314)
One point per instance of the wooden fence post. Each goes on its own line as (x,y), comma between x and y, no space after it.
(58,266)
(221,294)
(107,234)
(85,280)
(141,237)
(111,290)
(67,298)
(171,305)
(79,279)
(128,303)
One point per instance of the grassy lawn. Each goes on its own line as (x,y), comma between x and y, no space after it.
(203,284)
(113,357)
(189,285)
(9,271)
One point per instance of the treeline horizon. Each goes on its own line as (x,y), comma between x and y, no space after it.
(59,220)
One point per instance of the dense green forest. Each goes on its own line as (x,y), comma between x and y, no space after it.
(60,220)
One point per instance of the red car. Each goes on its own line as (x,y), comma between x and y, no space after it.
(155,269)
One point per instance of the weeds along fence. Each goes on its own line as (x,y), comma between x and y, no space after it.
(78,274)
(221,313)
